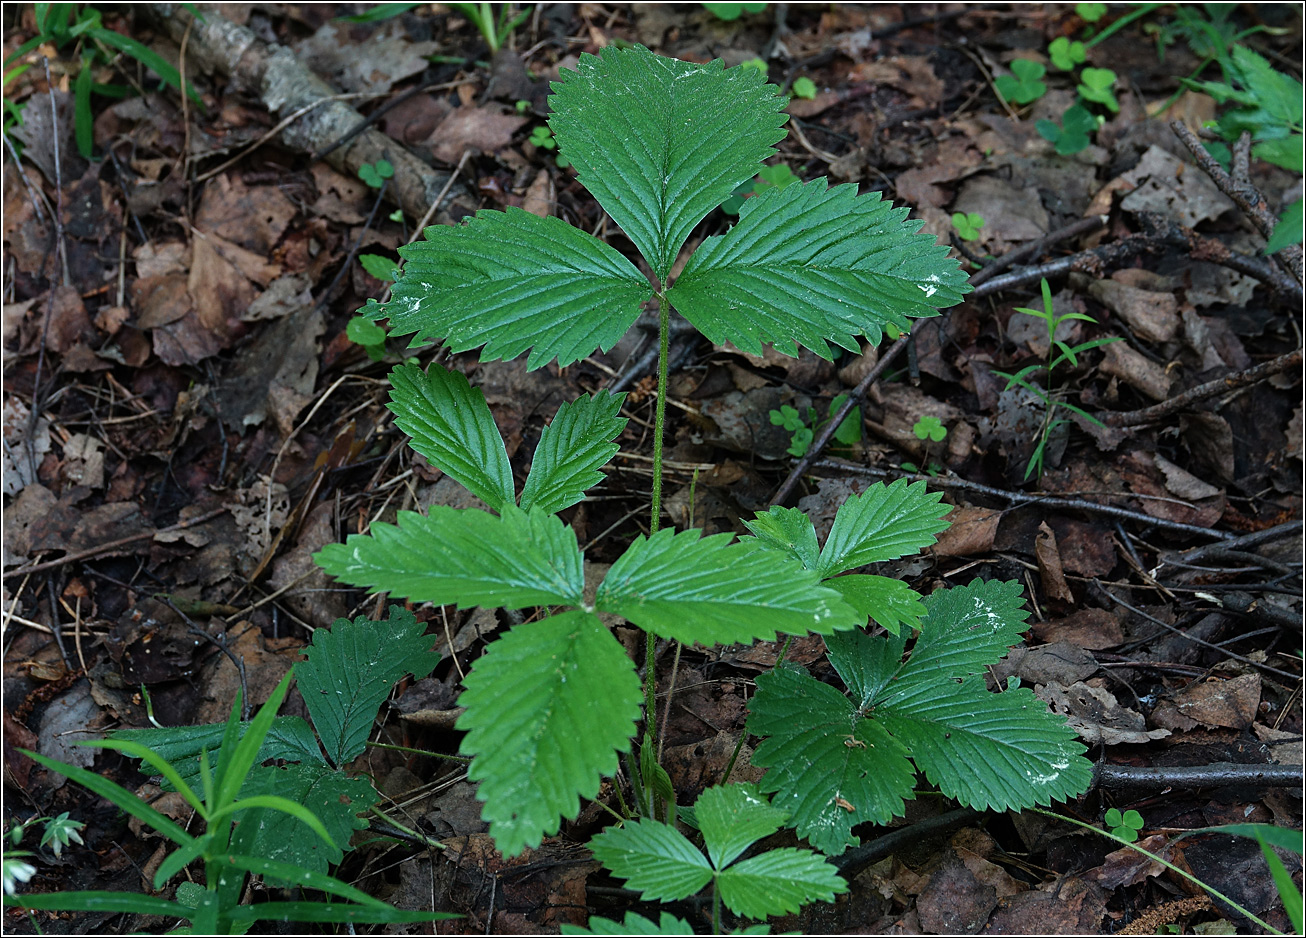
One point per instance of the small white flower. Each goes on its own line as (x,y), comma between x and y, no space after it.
(15,872)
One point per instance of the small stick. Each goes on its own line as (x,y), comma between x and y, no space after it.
(1219,774)
(1036,248)
(1134,418)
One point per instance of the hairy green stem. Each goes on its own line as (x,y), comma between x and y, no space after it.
(1166,863)
(716,909)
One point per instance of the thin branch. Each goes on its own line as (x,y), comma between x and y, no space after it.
(1134,418)
(1216,775)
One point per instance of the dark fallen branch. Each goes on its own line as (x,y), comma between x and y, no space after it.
(1028,499)
(1161,777)
(1240,189)
(859,858)
(1134,418)
(1201,248)
(1036,248)
(1241,542)
(1095,262)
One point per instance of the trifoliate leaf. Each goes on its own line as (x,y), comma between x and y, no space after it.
(711,591)
(654,858)
(451,425)
(891,603)
(829,767)
(965,630)
(465,557)
(513,281)
(290,738)
(335,798)
(571,451)
(779,882)
(990,751)
(549,706)
(808,264)
(660,142)
(634,924)
(883,523)
(350,671)
(731,818)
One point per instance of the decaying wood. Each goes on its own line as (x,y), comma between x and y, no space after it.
(285,86)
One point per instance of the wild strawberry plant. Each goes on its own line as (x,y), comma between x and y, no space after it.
(552,704)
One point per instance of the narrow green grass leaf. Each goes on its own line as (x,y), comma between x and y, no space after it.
(787,530)
(660,143)
(809,265)
(571,451)
(239,752)
(654,859)
(130,903)
(549,707)
(513,281)
(989,751)
(451,425)
(708,590)
(465,557)
(883,523)
(309,879)
(779,882)
(830,768)
(351,669)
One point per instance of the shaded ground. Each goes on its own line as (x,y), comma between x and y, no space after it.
(202,425)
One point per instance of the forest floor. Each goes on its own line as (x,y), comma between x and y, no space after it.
(186,423)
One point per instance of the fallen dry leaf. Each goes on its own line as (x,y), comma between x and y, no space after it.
(1049,565)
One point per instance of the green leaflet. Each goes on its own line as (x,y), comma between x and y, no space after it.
(787,530)
(451,425)
(634,924)
(465,557)
(549,706)
(831,767)
(708,590)
(1003,751)
(654,858)
(731,818)
(660,143)
(571,451)
(808,264)
(350,671)
(512,281)
(778,882)
(883,523)
(966,630)
(336,799)
(891,603)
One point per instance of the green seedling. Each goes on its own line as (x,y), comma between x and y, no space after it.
(376,174)
(1065,53)
(778,176)
(1090,12)
(931,429)
(759,64)
(543,137)
(221,795)
(804,87)
(97,46)
(369,335)
(1024,85)
(1125,826)
(379,266)
(553,704)
(495,32)
(522,106)
(1095,85)
(968,225)
(59,832)
(1267,104)
(805,427)
(1065,354)
(1072,135)
(732,11)
(664,866)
